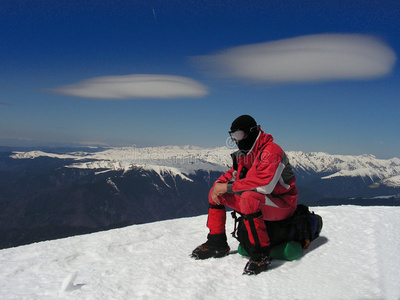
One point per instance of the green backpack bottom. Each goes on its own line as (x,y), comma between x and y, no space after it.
(285,251)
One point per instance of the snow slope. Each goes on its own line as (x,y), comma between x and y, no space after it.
(356,257)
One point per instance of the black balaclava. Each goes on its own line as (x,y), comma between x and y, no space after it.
(245,123)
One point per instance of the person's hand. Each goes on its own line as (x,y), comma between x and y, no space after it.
(214,197)
(218,190)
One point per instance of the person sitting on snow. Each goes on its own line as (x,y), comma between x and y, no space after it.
(260,185)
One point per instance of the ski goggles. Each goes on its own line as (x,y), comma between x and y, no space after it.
(239,135)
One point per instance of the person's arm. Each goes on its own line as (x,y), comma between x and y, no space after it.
(265,173)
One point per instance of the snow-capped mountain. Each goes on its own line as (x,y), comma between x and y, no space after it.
(187,160)
(178,160)
(380,171)
(51,194)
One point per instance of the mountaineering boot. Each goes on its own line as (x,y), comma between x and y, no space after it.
(205,251)
(255,266)
(216,246)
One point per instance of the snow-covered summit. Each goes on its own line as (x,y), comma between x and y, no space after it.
(185,160)
(386,170)
(356,257)
(173,159)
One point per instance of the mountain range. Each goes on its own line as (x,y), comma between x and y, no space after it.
(52,193)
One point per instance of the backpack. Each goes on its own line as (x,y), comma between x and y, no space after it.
(302,227)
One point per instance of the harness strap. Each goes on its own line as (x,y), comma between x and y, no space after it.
(235,225)
(254,232)
(250,218)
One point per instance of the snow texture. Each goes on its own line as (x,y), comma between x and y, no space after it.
(356,257)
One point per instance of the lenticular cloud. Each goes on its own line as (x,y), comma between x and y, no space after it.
(135,86)
(306,59)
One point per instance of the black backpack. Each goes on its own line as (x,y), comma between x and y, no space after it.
(302,227)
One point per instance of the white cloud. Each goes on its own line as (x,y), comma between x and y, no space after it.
(135,86)
(309,58)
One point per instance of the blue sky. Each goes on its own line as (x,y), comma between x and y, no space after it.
(317,75)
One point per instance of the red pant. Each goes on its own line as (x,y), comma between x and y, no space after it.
(249,203)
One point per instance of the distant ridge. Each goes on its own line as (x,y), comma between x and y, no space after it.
(187,159)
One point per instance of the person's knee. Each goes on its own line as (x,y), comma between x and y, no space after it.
(252,196)
(250,202)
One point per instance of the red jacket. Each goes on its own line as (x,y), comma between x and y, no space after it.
(264,169)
